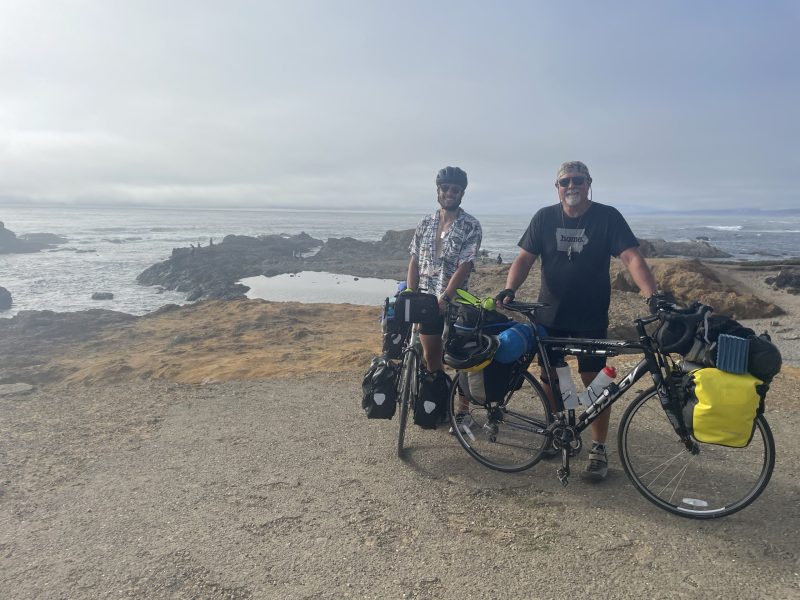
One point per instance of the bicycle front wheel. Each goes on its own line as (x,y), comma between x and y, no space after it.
(406,394)
(706,483)
(508,437)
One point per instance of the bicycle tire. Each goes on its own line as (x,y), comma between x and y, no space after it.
(408,382)
(713,482)
(506,437)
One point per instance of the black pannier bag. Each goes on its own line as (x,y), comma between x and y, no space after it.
(379,389)
(765,359)
(431,407)
(395,332)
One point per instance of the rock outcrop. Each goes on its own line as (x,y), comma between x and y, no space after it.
(788,279)
(691,280)
(102,296)
(5,299)
(50,239)
(387,258)
(212,271)
(11,244)
(690,249)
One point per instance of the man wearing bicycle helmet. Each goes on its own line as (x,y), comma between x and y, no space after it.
(576,239)
(443,252)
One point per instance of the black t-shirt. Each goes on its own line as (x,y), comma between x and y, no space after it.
(576,254)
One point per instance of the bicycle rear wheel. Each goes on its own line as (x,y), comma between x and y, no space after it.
(408,386)
(508,437)
(715,481)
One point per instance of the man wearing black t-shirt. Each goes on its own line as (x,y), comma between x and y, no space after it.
(576,240)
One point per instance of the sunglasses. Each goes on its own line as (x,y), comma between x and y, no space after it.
(577,180)
(446,187)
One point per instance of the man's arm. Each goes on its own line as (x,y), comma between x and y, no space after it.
(519,270)
(639,270)
(458,279)
(412,277)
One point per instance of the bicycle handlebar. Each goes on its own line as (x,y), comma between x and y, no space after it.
(689,316)
(523,307)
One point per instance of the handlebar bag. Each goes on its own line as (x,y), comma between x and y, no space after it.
(379,389)
(415,307)
(722,407)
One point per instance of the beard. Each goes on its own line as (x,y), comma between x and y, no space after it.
(573,198)
(450,203)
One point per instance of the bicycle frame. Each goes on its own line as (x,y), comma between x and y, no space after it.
(567,422)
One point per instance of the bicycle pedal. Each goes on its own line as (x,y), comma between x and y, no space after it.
(563,476)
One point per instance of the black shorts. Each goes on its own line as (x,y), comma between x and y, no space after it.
(434,327)
(586,364)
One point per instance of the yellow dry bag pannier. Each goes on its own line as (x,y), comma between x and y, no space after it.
(723,407)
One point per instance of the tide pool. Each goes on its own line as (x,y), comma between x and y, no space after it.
(319,286)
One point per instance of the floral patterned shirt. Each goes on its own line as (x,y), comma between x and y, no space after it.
(459,245)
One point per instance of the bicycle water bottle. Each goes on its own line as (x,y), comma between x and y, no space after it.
(569,393)
(599,383)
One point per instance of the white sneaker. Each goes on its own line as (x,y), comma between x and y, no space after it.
(465,422)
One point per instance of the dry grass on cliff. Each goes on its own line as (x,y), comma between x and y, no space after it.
(228,340)
(252,339)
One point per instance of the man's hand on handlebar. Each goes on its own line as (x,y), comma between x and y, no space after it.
(660,301)
(505,296)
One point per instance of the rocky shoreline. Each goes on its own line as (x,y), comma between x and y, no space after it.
(212,272)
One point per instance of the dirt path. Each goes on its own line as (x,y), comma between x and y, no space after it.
(281,489)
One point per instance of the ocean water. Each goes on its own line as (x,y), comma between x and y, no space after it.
(108,247)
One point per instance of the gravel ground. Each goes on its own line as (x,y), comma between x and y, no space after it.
(282,489)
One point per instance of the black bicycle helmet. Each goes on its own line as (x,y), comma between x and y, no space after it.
(452,175)
(471,352)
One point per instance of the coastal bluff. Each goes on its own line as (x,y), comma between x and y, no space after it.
(235,340)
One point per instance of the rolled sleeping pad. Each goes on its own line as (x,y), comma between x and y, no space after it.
(514,342)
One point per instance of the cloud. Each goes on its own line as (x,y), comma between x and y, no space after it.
(358,104)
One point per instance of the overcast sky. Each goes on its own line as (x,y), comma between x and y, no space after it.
(350,104)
